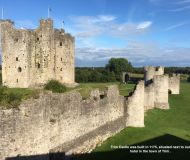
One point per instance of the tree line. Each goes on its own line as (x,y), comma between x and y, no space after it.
(112,71)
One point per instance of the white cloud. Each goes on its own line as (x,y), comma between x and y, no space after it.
(144,25)
(93,19)
(175,26)
(182,2)
(129,29)
(180,5)
(187,7)
(155,1)
(139,53)
(104,18)
(92,26)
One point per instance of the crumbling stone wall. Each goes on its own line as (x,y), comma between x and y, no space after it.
(25,130)
(66,123)
(135,107)
(174,84)
(151,71)
(149,97)
(32,57)
(161,91)
(157,87)
(60,122)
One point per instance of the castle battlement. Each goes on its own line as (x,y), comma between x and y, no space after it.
(151,71)
(32,57)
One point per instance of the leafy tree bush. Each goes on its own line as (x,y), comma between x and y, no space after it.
(0,78)
(55,86)
(119,65)
(8,98)
(94,75)
(14,99)
(188,79)
(112,72)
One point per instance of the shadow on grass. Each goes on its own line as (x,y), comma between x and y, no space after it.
(125,154)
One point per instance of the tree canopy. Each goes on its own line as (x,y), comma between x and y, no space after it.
(119,65)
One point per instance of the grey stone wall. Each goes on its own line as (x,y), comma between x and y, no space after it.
(135,107)
(149,97)
(157,87)
(66,123)
(161,91)
(55,122)
(25,130)
(151,71)
(174,84)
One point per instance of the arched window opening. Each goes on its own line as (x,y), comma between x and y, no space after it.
(16,58)
(61,43)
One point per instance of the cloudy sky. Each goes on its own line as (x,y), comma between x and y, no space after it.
(147,32)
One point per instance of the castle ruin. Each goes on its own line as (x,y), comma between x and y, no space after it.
(43,126)
(32,57)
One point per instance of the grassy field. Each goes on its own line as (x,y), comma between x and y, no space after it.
(86,88)
(175,121)
(136,75)
(158,123)
(184,77)
(12,97)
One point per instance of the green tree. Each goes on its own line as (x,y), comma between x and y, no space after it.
(82,75)
(55,86)
(0,78)
(119,65)
(188,79)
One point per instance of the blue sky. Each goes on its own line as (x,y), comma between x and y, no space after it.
(147,32)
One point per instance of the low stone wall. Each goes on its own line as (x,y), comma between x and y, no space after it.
(61,122)
(75,117)
(25,130)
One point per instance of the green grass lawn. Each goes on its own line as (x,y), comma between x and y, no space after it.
(86,88)
(175,121)
(162,127)
(12,97)
(136,75)
(184,77)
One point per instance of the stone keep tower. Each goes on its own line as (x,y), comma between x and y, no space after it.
(32,57)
